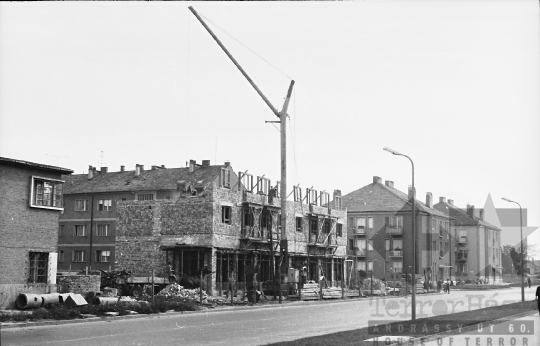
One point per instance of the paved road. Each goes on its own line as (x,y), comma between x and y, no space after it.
(258,325)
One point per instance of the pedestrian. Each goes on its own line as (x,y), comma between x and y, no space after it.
(439,285)
(537,297)
(448,286)
(529,281)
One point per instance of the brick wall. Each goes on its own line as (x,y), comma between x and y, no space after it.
(78,283)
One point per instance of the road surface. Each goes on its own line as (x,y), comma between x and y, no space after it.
(257,326)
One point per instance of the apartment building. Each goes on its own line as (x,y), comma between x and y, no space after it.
(29,211)
(477,246)
(380,233)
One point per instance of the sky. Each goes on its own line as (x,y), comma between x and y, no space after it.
(452,84)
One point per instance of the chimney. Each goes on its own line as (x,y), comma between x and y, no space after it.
(104,170)
(154,167)
(389,183)
(429,200)
(90,172)
(227,163)
(191,166)
(137,170)
(451,201)
(122,168)
(412,193)
(481,212)
(442,199)
(470,210)
(377,179)
(141,167)
(163,166)
(206,163)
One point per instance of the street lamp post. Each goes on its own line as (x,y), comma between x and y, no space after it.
(413,299)
(521,235)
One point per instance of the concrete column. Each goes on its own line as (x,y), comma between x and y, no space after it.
(212,267)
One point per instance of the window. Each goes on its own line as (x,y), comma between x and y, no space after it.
(145,197)
(361,265)
(361,245)
(387,244)
(339,230)
(433,225)
(313,225)
(434,248)
(80,205)
(225,177)
(440,228)
(297,194)
(226,212)
(61,230)
(38,267)
(103,256)
(396,221)
(397,244)
(337,203)
(104,204)
(386,266)
(61,256)
(360,222)
(78,256)
(80,231)
(398,267)
(263,185)
(370,244)
(369,222)
(351,245)
(312,196)
(124,199)
(370,265)
(46,193)
(103,231)
(326,226)
(299,224)
(440,250)
(247,181)
(325,198)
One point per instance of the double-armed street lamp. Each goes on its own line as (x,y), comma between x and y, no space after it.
(521,235)
(413,299)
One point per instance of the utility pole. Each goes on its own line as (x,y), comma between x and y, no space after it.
(283,127)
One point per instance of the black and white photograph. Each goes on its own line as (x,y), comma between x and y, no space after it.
(270,172)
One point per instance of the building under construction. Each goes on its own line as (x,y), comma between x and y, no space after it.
(227,223)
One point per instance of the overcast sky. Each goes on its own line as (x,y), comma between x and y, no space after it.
(452,84)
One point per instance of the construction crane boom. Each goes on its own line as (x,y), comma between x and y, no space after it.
(283,127)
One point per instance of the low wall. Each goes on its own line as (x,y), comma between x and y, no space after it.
(78,283)
(10,292)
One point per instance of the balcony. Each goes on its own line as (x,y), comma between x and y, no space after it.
(394,230)
(462,240)
(394,253)
(359,231)
(461,255)
(360,252)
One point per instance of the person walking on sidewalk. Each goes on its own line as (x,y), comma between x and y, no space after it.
(537,297)
(529,281)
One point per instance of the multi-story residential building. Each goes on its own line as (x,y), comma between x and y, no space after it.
(181,220)
(29,210)
(88,224)
(477,243)
(380,233)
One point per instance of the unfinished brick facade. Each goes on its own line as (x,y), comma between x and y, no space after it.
(221,226)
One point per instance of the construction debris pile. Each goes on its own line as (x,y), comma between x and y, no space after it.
(378,286)
(176,290)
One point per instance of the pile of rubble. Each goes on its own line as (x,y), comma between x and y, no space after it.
(176,290)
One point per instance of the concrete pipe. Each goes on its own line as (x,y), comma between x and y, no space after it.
(105,300)
(29,301)
(51,298)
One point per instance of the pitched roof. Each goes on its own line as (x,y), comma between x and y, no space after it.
(461,217)
(380,197)
(60,170)
(157,179)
